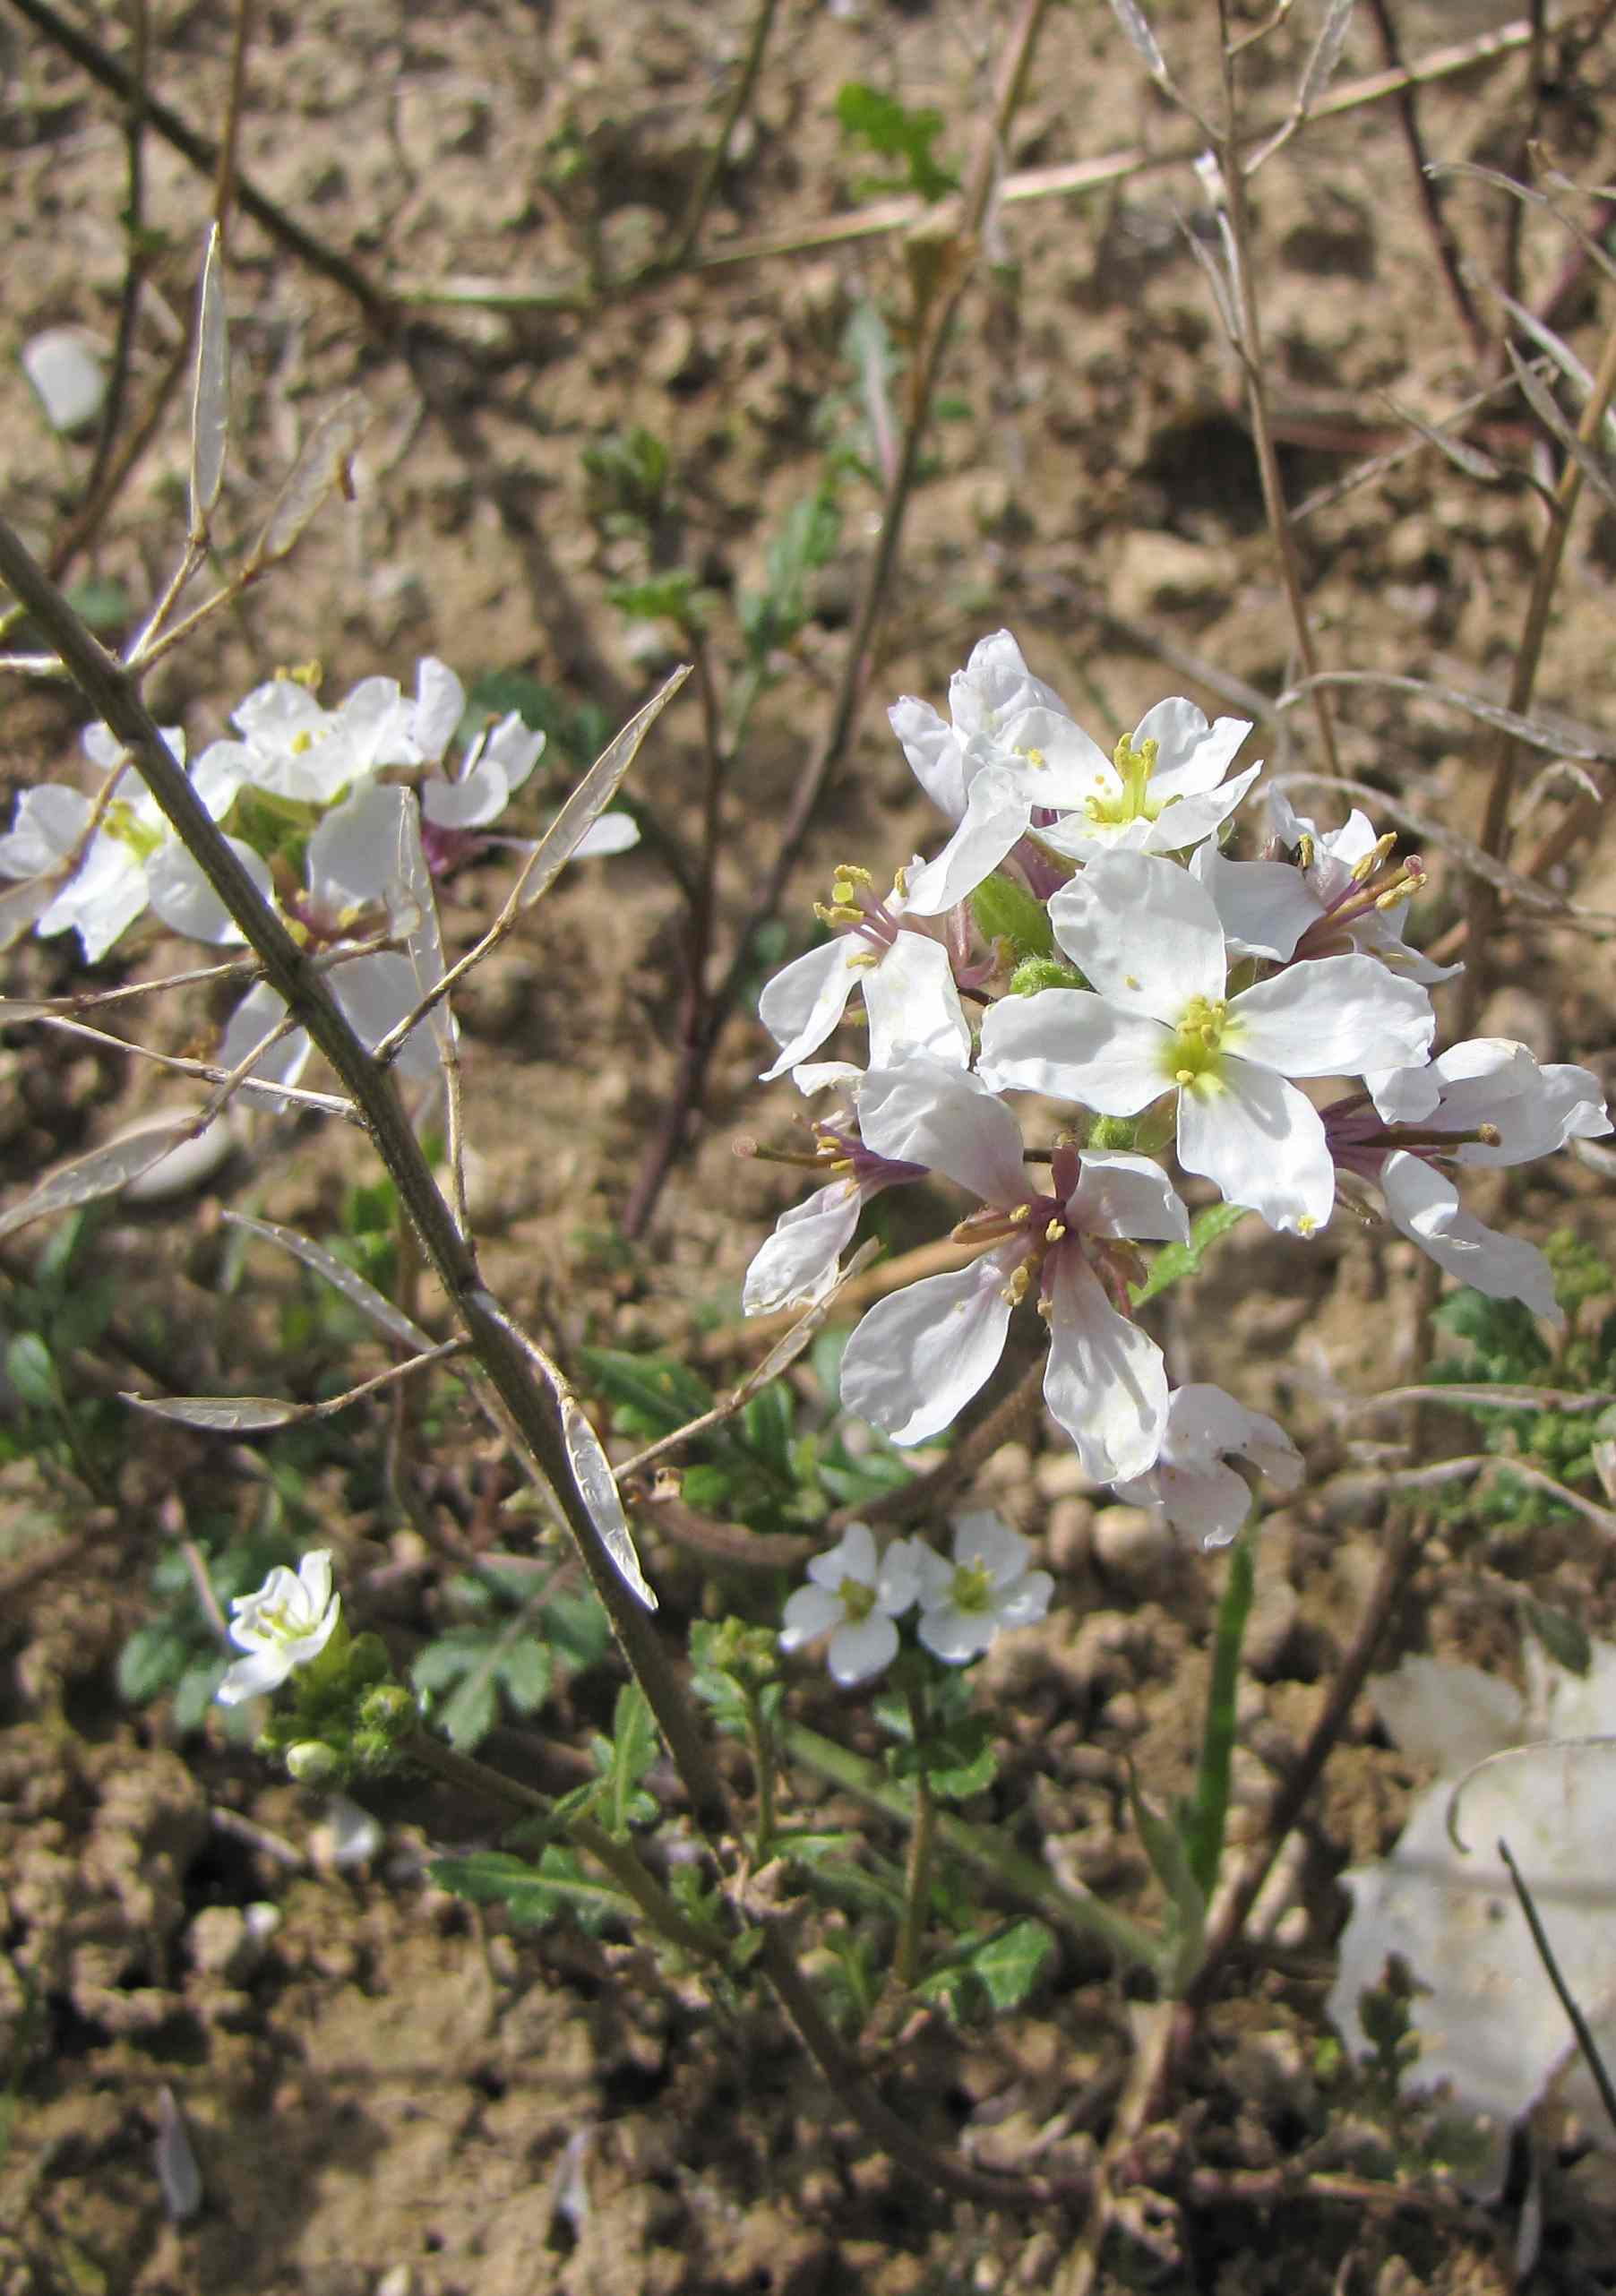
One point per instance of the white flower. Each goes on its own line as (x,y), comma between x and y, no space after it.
(1148,935)
(1356,902)
(995,686)
(353,865)
(854,1596)
(1163,791)
(964,1605)
(907,977)
(133,859)
(493,769)
(284,1623)
(919,1356)
(1483,1102)
(1191,1484)
(296,748)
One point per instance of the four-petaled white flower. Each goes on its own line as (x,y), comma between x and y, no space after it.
(995,686)
(1160,1020)
(1190,1483)
(920,1355)
(965,1605)
(856,1597)
(283,1624)
(1162,791)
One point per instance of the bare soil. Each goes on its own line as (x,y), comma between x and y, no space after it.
(387,2092)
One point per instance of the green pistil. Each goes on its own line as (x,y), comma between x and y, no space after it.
(856,1599)
(122,822)
(1133,802)
(1198,1042)
(972,1589)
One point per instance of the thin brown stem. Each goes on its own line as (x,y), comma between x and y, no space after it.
(204,155)
(137,253)
(1484,906)
(939,308)
(1442,237)
(712,165)
(223,176)
(1249,348)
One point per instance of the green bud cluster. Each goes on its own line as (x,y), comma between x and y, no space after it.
(343,1717)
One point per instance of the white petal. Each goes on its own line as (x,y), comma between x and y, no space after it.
(852,1557)
(439,707)
(479,797)
(1261,1142)
(1105,1381)
(796,1265)
(1191,755)
(1143,932)
(956,1636)
(354,854)
(250,1677)
(947,1120)
(47,825)
(1333,1016)
(811,1610)
(187,903)
(1071,1045)
(861,1648)
(1123,1195)
(1071,767)
(1192,819)
(801,1005)
(984,1537)
(1265,907)
(1026,1600)
(935,753)
(996,816)
(1209,1501)
(249,1024)
(1424,1204)
(898,1588)
(918,1357)
(913,1003)
(374,994)
(102,901)
(612,833)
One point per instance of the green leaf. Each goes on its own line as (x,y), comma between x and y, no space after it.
(524,1669)
(153,1658)
(470,1712)
(1174,1261)
(1207,1817)
(1010,1964)
(32,1370)
(895,132)
(634,1748)
(1166,1844)
(531,1895)
(767,1424)
(654,1395)
(1565,1638)
(676,597)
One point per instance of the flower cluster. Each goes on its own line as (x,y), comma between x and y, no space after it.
(856,1596)
(1081,939)
(336,813)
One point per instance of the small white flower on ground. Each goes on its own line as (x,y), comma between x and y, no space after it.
(1161,791)
(1159,1020)
(1190,1483)
(282,1625)
(1357,902)
(297,749)
(965,1605)
(855,1597)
